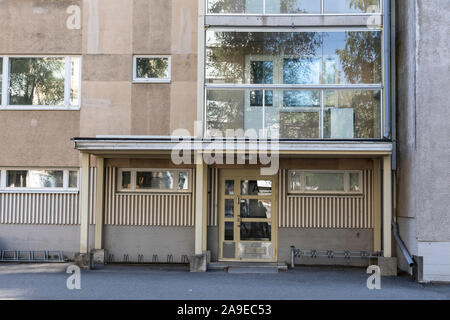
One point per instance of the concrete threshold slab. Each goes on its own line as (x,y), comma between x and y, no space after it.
(241,270)
(225,265)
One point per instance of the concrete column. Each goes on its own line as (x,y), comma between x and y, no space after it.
(201,175)
(387,206)
(376,205)
(84,203)
(99,203)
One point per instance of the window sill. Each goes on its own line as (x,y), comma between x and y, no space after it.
(39,108)
(325,194)
(166,81)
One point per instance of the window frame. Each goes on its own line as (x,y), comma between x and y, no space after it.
(152,80)
(64,189)
(5,99)
(133,173)
(346,190)
(322,12)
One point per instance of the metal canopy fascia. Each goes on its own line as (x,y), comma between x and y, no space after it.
(165,146)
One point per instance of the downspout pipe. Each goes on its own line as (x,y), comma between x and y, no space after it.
(401,245)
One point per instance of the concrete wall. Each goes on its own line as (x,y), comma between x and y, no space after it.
(42,237)
(424,148)
(148,241)
(111,32)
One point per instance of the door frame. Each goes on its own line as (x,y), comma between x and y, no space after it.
(242,174)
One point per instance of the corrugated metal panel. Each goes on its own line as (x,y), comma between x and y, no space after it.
(146,209)
(298,211)
(39,208)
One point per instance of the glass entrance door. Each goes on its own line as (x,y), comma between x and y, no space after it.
(248,214)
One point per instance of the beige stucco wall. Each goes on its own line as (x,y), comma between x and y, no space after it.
(112,31)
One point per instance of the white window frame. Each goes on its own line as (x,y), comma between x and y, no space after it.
(152,80)
(346,190)
(134,171)
(4,104)
(65,189)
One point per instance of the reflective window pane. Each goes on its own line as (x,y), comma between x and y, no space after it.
(253,208)
(295,181)
(45,178)
(158,180)
(126,179)
(351,6)
(229,187)
(224,110)
(75,81)
(292,6)
(229,231)
(299,125)
(73,179)
(16,179)
(256,187)
(352,57)
(229,208)
(352,114)
(255,231)
(183,180)
(152,68)
(324,181)
(293,57)
(355,183)
(37,81)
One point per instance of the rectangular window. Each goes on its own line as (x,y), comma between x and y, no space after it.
(151,69)
(41,82)
(154,180)
(38,179)
(324,182)
(293,6)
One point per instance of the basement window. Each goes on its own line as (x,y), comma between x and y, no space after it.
(325,182)
(34,83)
(151,69)
(154,180)
(36,180)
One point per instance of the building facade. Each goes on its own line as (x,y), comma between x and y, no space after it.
(220,130)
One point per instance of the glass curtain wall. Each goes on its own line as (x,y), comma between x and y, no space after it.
(295,85)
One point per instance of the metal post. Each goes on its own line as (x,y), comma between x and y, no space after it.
(292,257)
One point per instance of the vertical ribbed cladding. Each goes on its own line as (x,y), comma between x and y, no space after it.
(39,208)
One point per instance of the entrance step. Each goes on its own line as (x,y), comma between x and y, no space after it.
(242,270)
(248,267)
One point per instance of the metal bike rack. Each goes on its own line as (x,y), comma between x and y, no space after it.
(331,254)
